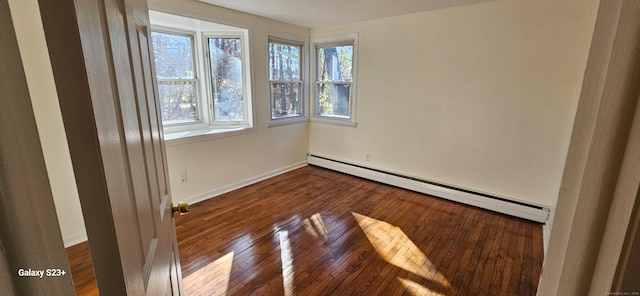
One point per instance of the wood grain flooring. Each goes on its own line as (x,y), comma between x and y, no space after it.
(317,232)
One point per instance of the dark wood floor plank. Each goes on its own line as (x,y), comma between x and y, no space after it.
(518,259)
(484,261)
(498,277)
(329,233)
(82,269)
(461,249)
(537,255)
(525,275)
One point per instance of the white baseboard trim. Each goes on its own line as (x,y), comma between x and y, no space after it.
(74,239)
(529,212)
(231,187)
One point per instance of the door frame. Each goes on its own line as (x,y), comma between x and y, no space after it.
(599,189)
(30,236)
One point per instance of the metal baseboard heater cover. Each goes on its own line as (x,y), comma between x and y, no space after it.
(513,208)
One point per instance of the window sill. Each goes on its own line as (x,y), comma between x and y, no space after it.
(336,121)
(204,134)
(287,121)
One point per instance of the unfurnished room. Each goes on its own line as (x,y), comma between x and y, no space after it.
(414,147)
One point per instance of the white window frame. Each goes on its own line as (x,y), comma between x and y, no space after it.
(207,127)
(347,39)
(246,86)
(200,114)
(304,74)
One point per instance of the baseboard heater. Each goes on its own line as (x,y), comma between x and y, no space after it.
(480,200)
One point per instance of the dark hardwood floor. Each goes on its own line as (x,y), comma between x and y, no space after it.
(317,232)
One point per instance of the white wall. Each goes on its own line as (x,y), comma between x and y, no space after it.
(216,165)
(519,62)
(37,67)
(479,97)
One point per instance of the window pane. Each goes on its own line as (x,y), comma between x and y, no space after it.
(333,99)
(285,100)
(177,101)
(335,63)
(284,62)
(226,76)
(173,55)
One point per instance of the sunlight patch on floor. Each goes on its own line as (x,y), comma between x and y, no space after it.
(393,246)
(286,257)
(216,274)
(314,225)
(414,288)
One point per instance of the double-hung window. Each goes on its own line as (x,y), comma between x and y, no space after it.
(334,81)
(176,74)
(203,75)
(285,79)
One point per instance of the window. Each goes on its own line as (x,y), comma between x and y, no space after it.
(335,76)
(226,72)
(175,72)
(203,74)
(285,79)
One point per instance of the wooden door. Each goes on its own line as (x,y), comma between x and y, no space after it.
(103,66)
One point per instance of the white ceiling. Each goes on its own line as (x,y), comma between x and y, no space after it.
(319,13)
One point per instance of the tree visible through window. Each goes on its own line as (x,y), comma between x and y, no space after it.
(285,80)
(175,72)
(203,76)
(226,78)
(334,79)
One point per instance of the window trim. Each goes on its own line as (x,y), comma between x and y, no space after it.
(288,39)
(246,86)
(204,130)
(201,120)
(299,81)
(326,41)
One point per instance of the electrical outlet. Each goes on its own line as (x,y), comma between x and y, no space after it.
(367,156)
(183,176)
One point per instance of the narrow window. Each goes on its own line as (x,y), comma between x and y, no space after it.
(334,77)
(175,72)
(285,79)
(226,71)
